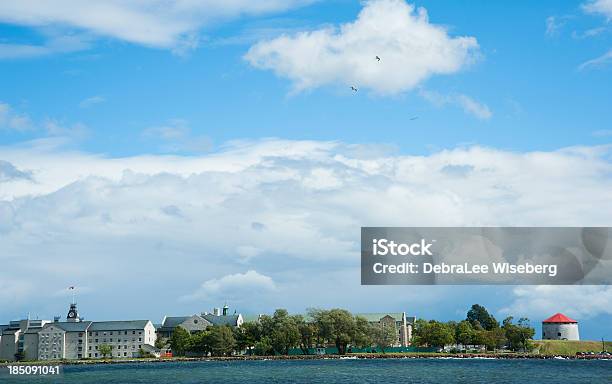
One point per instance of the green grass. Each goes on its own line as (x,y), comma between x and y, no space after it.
(566,347)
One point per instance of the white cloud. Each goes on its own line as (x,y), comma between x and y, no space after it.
(12,121)
(579,302)
(601,7)
(91,101)
(158,23)
(231,286)
(410,47)
(554,24)
(598,62)
(469,105)
(53,44)
(290,210)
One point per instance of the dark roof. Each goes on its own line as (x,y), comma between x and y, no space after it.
(118,325)
(231,320)
(80,326)
(173,321)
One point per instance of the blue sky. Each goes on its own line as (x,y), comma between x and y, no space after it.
(234,110)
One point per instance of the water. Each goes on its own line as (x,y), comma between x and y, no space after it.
(377,371)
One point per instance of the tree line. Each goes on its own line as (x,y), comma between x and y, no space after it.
(479,328)
(281,332)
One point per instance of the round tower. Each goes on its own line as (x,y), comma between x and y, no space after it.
(560,327)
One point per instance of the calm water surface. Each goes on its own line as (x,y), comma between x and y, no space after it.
(395,371)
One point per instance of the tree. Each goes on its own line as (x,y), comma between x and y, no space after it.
(161,342)
(479,315)
(384,335)
(179,342)
(364,333)
(336,325)
(434,333)
(263,347)
(464,333)
(281,330)
(247,335)
(105,350)
(518,335)
(308,332)
(222,341)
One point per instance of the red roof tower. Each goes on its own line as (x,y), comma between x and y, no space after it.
(560,318)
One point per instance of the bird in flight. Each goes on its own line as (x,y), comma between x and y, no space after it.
(378,58)
(353,88)
(414,118)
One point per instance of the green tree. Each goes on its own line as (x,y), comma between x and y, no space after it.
(161,342)
(105,350)
(479,314)
(384,335)
(180,341)
(247,335)
(222,341)
(308,333)
(434,333)
(518,335)
(263,347)
(336,325)
(364,334)
(464,333)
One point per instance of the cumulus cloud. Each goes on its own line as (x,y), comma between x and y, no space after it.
(579,302)
(600,7)
(289,210)
(411,49)
(232,287)
(469,105)
(158,23)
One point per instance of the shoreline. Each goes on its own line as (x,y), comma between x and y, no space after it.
(356,356)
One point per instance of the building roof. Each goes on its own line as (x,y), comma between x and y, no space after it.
(173,321)
(80,326)
(559,318)
(231,320)
(118,325)
(373,317)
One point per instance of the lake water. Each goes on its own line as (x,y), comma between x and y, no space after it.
(472,371)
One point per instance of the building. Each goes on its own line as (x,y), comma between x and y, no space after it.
(78,339)
(224,318)
(560,327)
(403,325)
(125,338)
(192,324)
(197,323)
(18,338)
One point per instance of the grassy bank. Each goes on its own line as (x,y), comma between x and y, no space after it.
(411,355)
(568,348)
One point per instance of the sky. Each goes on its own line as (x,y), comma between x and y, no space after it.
(165,157)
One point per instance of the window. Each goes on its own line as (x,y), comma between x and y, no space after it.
(89,354)
(558,333)
(111,333)
(133,332)
(96,340)
(139,339)
(80,334)
(124,353)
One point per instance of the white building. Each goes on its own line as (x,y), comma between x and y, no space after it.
(16,339)
(560,327)
(79,339)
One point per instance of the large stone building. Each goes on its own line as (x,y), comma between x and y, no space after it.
(560,327)
(16,339)
(75,338)
(402,323)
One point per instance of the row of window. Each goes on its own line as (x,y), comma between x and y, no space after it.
(91,341)
(118,347)
(111,333)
